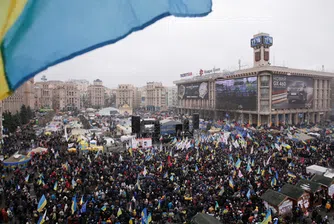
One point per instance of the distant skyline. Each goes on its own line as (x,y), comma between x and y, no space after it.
(172,46)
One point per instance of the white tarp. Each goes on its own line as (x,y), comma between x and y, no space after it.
(315,169)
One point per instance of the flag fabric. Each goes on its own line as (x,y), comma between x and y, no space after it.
(55,186)
(290,174)
(42,218)
(81,200)
(231,182)
(27,178)
(84,208)
(130,151)
(74,204)
(238,163)
(119,212)
(268,218)
(144,216)
(149,218)
(248,194)
(104,208)
(30,46)
(41,204)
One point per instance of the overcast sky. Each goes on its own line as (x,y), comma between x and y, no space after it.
(303,31)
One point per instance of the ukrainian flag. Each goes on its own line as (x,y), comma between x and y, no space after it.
(119,212)
(74,204)
(231,182)
(35,35)
(290,174)
(238,163)
(55,187)
(27,178)
(82,200)
(42,219)
(144,215)
(268,218)
(41,204)
(149,218)
(104,208)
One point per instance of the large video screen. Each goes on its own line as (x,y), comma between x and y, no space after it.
(291,92)
(194,91)
(236,94)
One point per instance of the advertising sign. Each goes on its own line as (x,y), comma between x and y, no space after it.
(291,92)
(186,74)
(236,94)
(198,90)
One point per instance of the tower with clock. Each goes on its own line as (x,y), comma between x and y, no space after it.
(261,44)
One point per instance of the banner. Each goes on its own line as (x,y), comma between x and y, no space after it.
(237,94)
(193,91)
(186,74)
(291,92)
(142,143)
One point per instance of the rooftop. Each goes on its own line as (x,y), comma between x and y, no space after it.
(255,71)
(273,197)
(292,191)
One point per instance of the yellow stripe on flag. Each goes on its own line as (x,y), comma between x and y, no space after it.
(10,10)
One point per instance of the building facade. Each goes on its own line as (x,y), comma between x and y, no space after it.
(22,96)
(171,97)
(44,94)
(155,96)
(96,93)
(66,97)
(260,95)
(127,94)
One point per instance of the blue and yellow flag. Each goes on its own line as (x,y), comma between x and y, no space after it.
(268,218)
(290,174)
(55,186)
(81,200)
(27,178)
(144,216)
(74,204)
(42,218)
(35,35)
(41,204)
(119,212)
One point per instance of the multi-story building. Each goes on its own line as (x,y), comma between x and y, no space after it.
(66,96)
(263,94)
(44,94)
(22,96)
(155,96)
(143,94)
(96,94)
(125,94)
(171,96)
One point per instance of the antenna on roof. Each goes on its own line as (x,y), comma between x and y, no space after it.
(323,68)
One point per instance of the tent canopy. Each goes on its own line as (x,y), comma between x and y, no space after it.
(201,218)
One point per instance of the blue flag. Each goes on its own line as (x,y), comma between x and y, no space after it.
(40,34)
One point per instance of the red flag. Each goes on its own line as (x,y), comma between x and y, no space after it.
(187,157)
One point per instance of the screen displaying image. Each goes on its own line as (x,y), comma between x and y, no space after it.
(237,94)
(193,91)
(292,92)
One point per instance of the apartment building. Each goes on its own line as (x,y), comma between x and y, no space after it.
(96,94)
(155,96)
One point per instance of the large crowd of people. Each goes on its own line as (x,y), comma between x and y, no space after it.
(220,175)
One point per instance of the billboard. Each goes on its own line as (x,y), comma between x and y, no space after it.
(198,90)
(237,94)
(291,92)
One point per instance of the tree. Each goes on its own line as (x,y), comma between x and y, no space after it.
(24,115)
(30,113)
